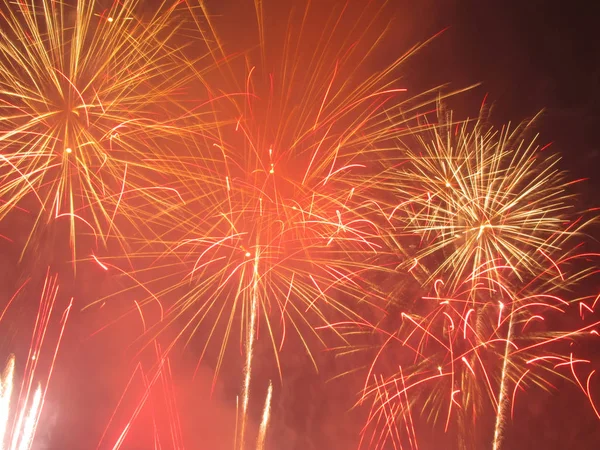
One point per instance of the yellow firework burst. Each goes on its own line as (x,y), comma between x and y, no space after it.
(479,198)
(82,95)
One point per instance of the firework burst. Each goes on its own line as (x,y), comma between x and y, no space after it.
(279,230)
(280,221)
(82,90)
(497,252)
(469,354)
(479,199)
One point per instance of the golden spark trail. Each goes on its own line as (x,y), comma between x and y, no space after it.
(264,424)
(31,421)
(249,346)
(6,388)
(18,427)
(479,199)
(503,398)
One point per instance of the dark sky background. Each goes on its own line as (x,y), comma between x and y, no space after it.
(528,56)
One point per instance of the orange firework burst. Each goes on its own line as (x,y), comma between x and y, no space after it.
(280,219)
(80,89)
(281,227)
(280,230)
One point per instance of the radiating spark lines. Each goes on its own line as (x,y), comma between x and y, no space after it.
(78,95)
(479,199)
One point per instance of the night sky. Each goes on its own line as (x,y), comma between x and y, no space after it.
(527,56)
(530,56)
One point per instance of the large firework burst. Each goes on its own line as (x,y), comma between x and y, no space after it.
(82,89)
(280,217)
(498,242)
(479,198)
